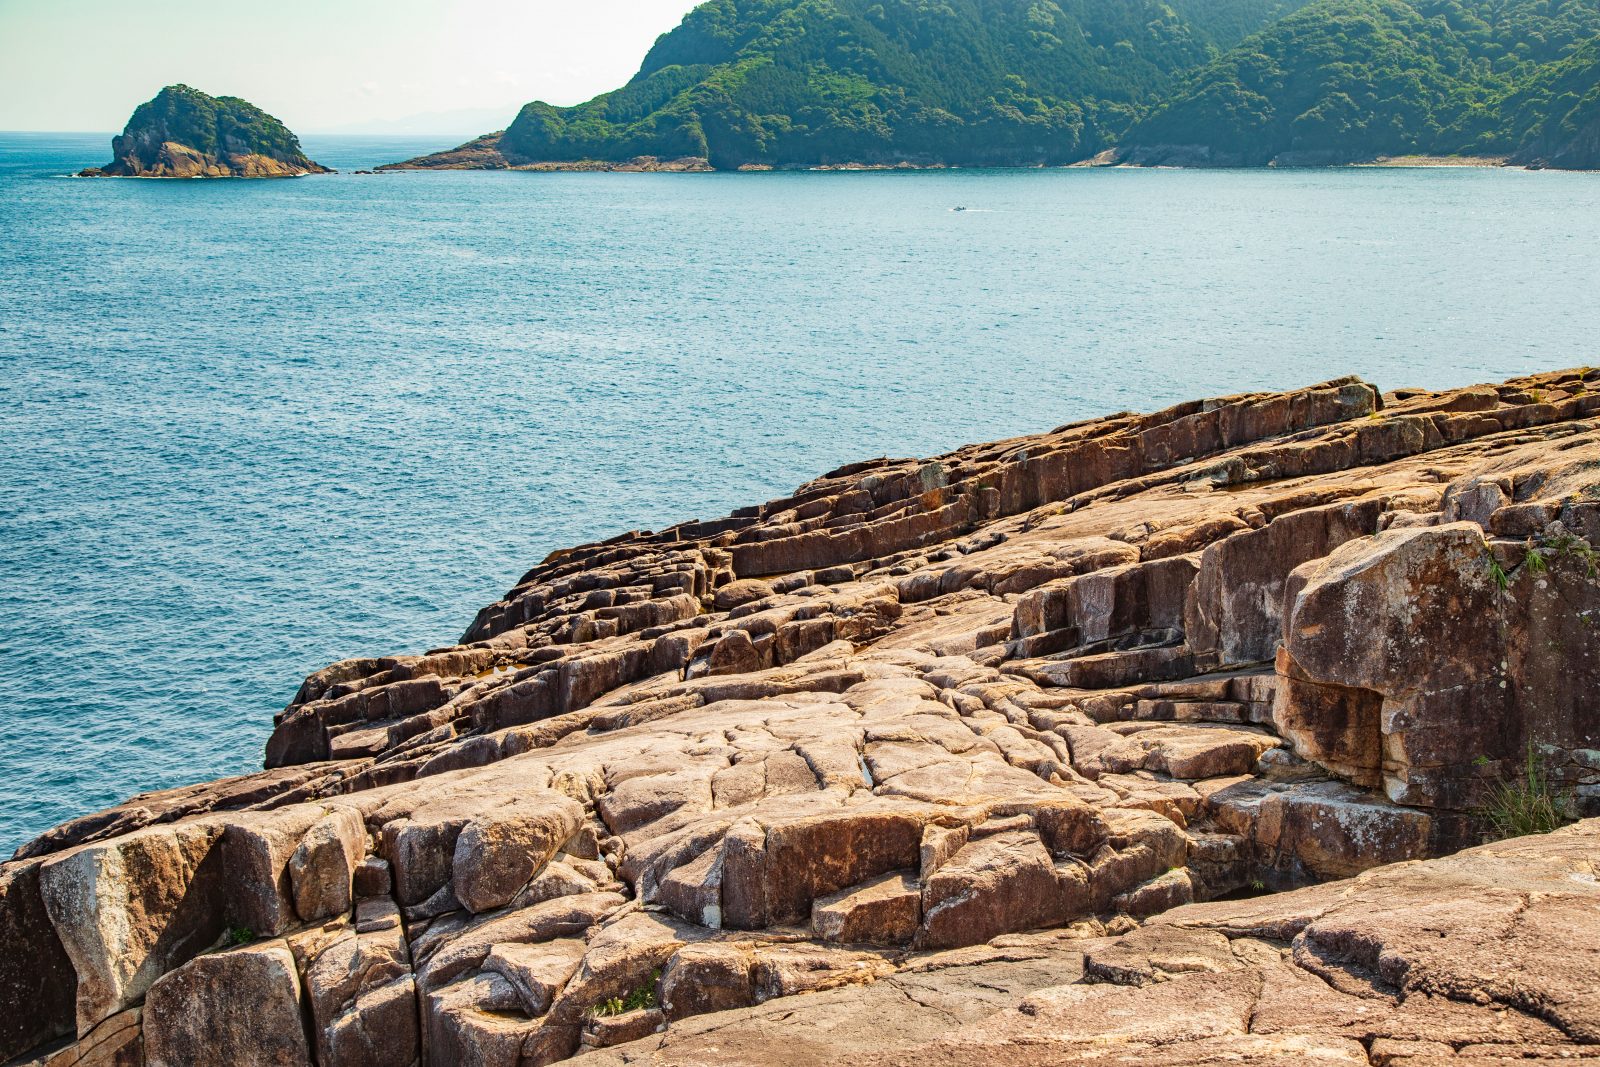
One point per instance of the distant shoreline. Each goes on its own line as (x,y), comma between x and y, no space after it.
(699,165)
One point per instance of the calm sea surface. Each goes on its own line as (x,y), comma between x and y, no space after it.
(249,428)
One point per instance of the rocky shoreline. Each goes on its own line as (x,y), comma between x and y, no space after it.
(933,761)
(484,153)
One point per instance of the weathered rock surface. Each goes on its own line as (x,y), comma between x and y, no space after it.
(237,1007)
(913,751)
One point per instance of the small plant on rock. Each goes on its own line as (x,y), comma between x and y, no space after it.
(1529,803)
(1497,573)
(235,936)
(644,996)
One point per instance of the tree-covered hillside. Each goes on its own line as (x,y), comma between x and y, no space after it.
(881,81)
(1343,80)
(1025,82)
(213,125)
(183,133)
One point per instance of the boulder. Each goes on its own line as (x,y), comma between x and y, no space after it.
(773,876)
(995,885)
(131,909)
(257,848)
(499,852)
(1448,713)
(322,868)
(537,972)
(1234,613)
(709,977)
(241,1007)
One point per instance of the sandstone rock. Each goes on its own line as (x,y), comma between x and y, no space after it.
(784,970)
(470,945)
(1235,611)
(970,708)
(240,1007)
(473,1022)
(623,957)
(1159,894)
(132,909)
(372,878)
(497,853)
(322,868)
(775,876)
(1337,831)
(116,1042)
(362,994)
(257,848)
(37,981)
(537,972)
(743,591)
(884,911)
(706,978)
(1440,712)
(603,1031)
(996,885)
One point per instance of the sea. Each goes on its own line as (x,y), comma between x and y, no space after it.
(248,428)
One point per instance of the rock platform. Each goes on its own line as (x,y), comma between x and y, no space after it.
(933,761)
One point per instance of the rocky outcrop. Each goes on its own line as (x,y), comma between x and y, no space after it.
(183,133)
(1488,957)
(958,748)
(490,152)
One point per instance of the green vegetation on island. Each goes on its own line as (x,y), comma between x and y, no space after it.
(774,83)
(184,133)
(1346,80)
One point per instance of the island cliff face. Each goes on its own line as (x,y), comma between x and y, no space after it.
(931,762)
(183,133)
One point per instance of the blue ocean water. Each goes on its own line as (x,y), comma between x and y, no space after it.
(250,428)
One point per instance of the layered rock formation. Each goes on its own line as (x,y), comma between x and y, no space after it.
(928,741)
(183,133)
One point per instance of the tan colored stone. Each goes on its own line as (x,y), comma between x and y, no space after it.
(322,868)
(131,909)
(497,853)
(884,911)
(241,1007)
(537,972)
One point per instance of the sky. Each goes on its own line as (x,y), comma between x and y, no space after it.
(320,65)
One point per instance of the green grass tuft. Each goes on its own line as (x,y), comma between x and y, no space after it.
(642,997)
(1528,804)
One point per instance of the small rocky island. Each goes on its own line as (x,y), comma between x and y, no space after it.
(184,133)
(1219,735)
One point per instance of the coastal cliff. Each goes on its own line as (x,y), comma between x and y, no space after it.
(183,133)
(1117,740)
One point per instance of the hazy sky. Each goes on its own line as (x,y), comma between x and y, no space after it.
(317,64)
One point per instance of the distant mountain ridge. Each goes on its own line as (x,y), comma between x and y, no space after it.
(782,83)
